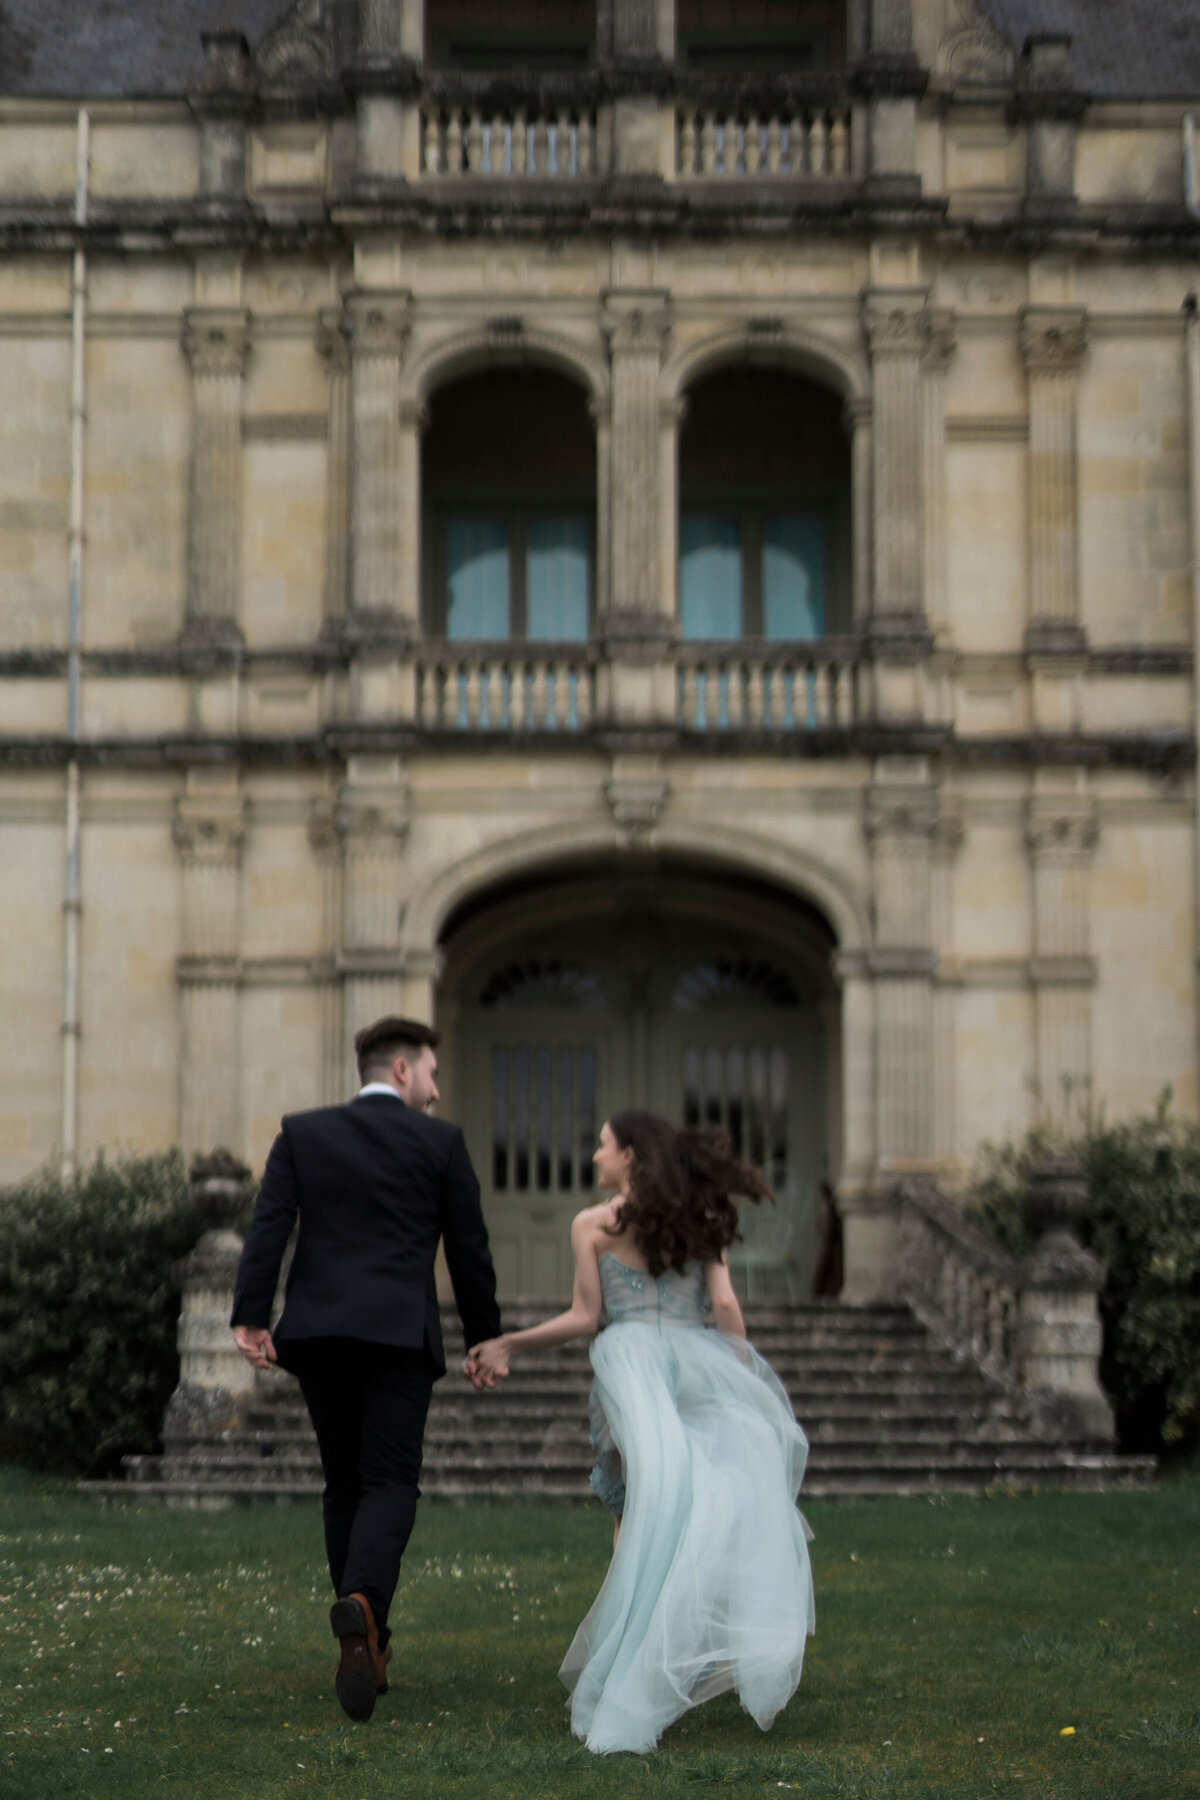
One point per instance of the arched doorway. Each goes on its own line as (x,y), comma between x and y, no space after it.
(706,998)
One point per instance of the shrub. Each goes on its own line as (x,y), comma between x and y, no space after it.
(88,1310)
(1144,1180)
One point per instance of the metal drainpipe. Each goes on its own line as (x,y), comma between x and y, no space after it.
(72,904)
(1191,185)
(1191,329)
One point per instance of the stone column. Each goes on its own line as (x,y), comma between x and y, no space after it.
(334,349)
(1053,344)
(216,341)
(940,346)
(373,818)
(635,625)
(209,831)
(384,548)
(643,117)
(1062,831)
(946,844)
(857,416)
(1047,100)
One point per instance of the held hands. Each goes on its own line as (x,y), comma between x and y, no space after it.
(255,1345)
(487,1363)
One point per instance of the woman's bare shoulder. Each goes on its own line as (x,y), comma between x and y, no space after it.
(594,1221)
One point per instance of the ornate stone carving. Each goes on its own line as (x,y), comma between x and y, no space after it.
(636,322)
(375,823)
(210,828)
(302,51)
(895,330)
(1062,829)
(216,340)
(941,339)
(973,51)
(637,801)
(1053,339)
(333,344)
(378,324)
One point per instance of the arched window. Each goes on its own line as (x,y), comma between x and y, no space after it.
(509,486)
(764,526)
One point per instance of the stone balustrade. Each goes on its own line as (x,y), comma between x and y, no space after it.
(510,142)
(798,687)
(813,143)
(1032,1323)
(505,688)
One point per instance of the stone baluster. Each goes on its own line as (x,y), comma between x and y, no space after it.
(585,146)
(1059,1335)
(373,819)
(1053,344)
(209,831)
(216,342)
(215,1381)
(1062,831)
(334,349)
(774,145)
(384,586)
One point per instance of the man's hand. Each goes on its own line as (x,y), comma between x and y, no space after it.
(481,1374)
(255,1344)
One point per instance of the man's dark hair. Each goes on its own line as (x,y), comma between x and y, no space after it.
(377,1046)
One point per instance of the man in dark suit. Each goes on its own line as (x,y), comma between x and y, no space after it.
(375,1184)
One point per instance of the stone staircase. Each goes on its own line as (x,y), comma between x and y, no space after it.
(887,1409)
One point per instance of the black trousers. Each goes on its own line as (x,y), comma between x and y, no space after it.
(368,1404)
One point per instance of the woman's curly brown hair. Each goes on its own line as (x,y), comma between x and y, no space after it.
(680,1206)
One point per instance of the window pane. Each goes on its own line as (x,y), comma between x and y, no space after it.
(794,576)
(557,580)
(710,578)
(476,579)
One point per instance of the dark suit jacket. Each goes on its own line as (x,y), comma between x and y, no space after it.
(375,1185)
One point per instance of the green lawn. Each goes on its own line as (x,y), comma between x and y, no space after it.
(957,1641)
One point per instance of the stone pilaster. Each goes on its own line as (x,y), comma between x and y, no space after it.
(325,840)
(940,346)
(857,416)
(334,349)
(901,820)
(636,324)
(222,105)
(893,80)
(1053,344)
(1061,833)
(216,341)
(384,546)
(1047,101)
(209,832)
(373,817)
(391,51)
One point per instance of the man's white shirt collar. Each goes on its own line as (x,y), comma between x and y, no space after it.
(379,1087)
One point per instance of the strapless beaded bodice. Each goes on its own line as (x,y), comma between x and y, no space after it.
(635,1296)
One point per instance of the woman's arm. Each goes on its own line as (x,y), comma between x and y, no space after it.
(582,1319)
(726,1310)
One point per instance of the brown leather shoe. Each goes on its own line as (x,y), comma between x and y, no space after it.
(362,1671)
(385,1657)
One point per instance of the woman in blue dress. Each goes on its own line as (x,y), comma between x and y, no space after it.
(698,1454)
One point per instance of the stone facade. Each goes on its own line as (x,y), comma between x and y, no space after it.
(292,785)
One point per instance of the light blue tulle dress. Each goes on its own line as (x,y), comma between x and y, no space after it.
(710,1585)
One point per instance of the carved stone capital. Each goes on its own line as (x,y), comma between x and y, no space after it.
(378,324)
(216,340)
(895,325)
(636,322)
(942,339)
(323,833)
(333,345)
(1062,829)
(903,813)
(370,821)
(210,828)
(1053,339)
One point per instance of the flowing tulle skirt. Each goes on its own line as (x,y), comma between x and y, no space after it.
(710,1585)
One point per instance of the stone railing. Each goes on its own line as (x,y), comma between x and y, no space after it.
(1032,1323)
(510,688)
(506,137)
(793,688)
(811,143)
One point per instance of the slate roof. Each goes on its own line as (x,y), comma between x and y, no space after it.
(101,48)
